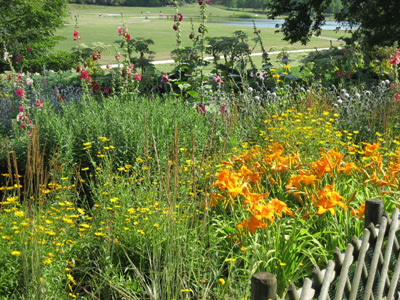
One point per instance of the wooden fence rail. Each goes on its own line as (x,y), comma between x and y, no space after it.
(369,269)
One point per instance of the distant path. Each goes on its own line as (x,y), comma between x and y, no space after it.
(171,61)
(326,38)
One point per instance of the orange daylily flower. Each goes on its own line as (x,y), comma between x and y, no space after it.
(360,212)
(327,199)
(253,224)
(370,149)
(251,198)
(280,207)
(347,167)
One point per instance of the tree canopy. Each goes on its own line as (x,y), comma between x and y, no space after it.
(30,24)
(374,22)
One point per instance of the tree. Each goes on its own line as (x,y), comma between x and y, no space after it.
(230,3)
(377,20)
(30,26)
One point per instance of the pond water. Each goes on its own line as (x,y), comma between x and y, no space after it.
(267,23)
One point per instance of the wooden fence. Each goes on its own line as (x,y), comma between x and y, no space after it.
(369,269)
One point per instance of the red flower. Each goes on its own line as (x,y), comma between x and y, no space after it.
(348,75)
(19,93)
(106,90)
(191,36)
(127,36)
(95,86)
(394,60)
(165,78)
(84,74)
(76,35)
(175,27)
(201,109)
(178,17)
(137,76)
(78,69)
(339,74)
(19,58)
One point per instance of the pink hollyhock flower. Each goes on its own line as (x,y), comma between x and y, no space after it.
(396,97)
(40,104)
(106,90)
(29,81)
(21,109)
(84,74)
(119,30)
(29,49)
(137,76)
(19,92)
(108,66)
(348,75)
(394,60)
(218,79)
(178,17)
(96,87)
(339,74)
(223,109)
(394,86)
(19,58)
(118,56)
(76,35)
(165,78)
(175,27)
(201,109)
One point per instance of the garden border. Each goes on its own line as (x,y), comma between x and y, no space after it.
(362,272)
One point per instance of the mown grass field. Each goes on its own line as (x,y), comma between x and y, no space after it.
(98,24)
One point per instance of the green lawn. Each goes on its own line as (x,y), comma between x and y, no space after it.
(99,24)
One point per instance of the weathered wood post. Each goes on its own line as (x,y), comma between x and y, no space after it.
(263,286)
(373,212)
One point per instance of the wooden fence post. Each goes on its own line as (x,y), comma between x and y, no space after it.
(263,286)
(373,212)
